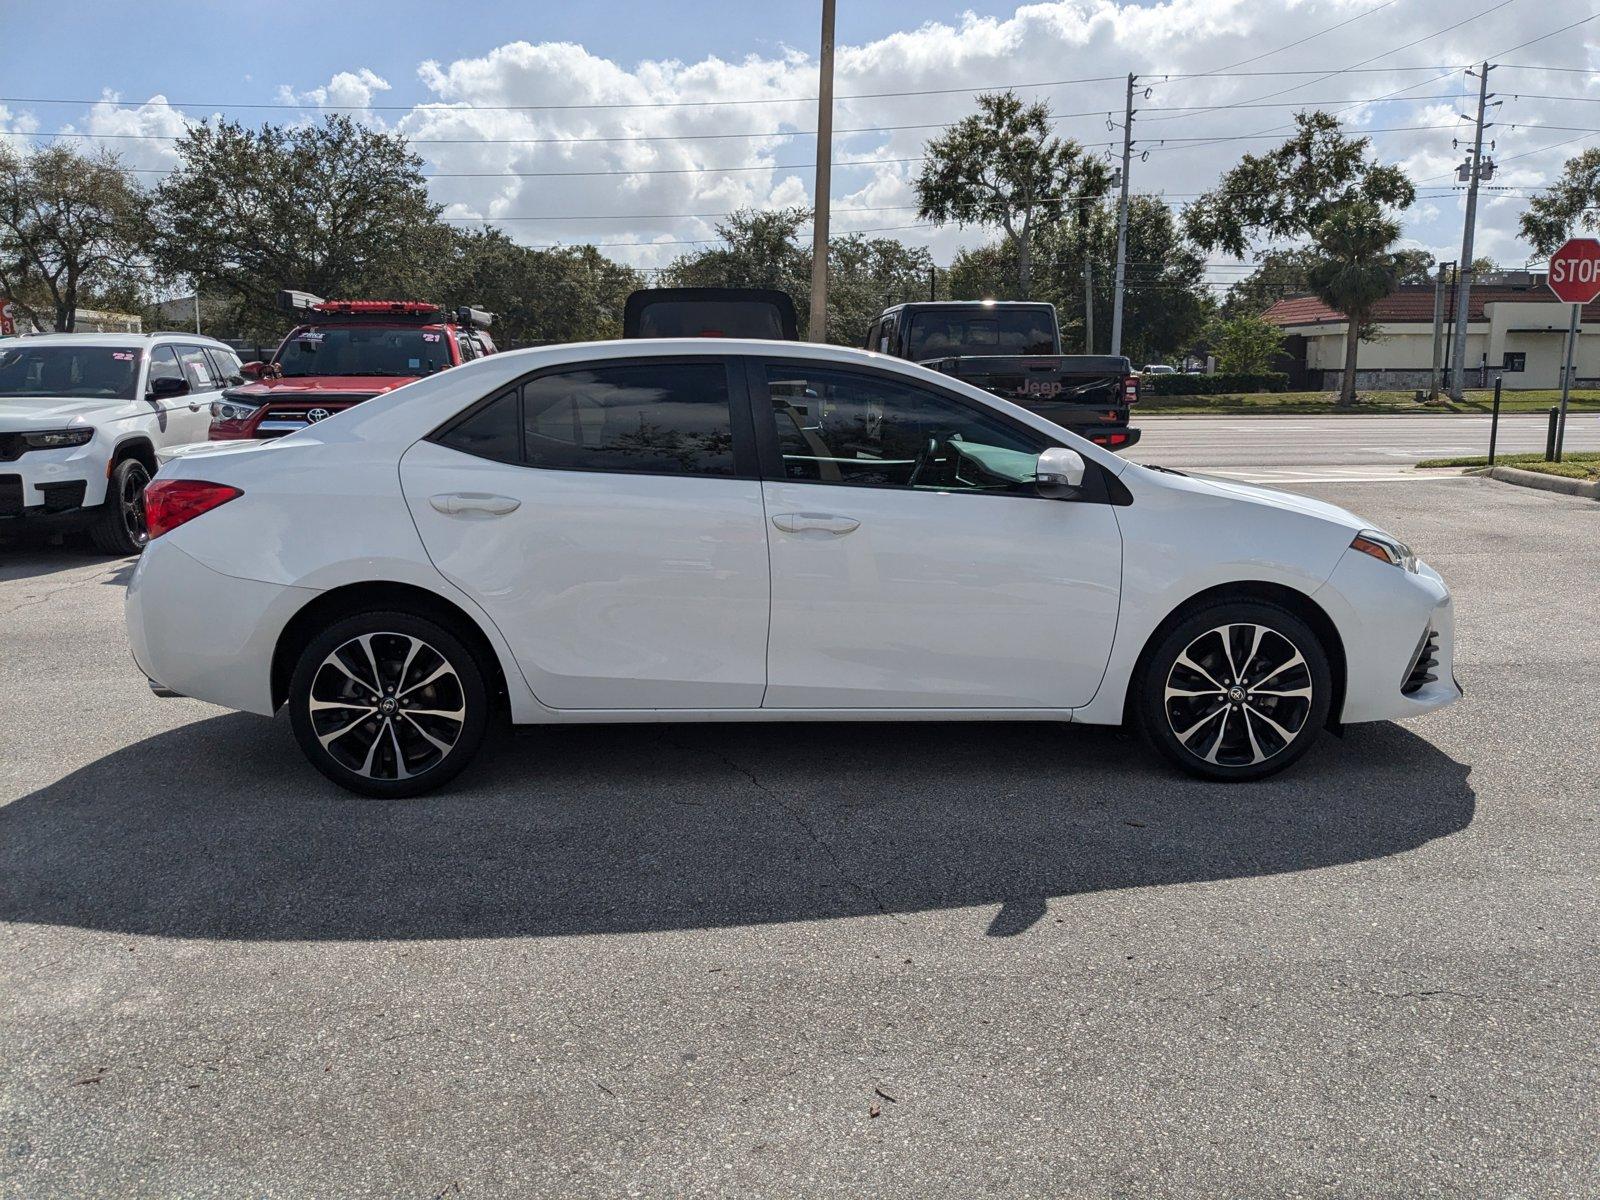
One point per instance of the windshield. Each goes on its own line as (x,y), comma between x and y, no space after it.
(363,350)
(958,332)
(69,372)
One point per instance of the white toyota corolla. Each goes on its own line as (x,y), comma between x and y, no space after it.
(757,531)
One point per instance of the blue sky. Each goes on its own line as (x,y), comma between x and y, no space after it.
(499,149)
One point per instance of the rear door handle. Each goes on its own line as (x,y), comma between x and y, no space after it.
(479,503)
(815,523)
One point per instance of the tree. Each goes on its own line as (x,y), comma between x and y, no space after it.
(1278,273)
(865,276)
(335,209)
(1570,204)
(71,226)
(1246,343)
(564,294)
(1289,192)
(1001,166)
(1356,267)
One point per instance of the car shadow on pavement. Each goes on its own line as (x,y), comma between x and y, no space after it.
(218,829)
(34,557)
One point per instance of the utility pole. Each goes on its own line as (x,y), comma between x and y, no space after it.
(1122,221)
(1438,333)
(819,217)
(1458,361)
(1088,308)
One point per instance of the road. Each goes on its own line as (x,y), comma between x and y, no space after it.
(1311,449)
(829,961)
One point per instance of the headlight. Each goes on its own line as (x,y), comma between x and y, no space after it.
(233,408)
(55,439)
(1386,549)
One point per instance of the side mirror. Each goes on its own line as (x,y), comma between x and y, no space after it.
(252,370)
(1060,472)
(167,387)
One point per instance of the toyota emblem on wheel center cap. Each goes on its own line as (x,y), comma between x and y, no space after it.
(317,414)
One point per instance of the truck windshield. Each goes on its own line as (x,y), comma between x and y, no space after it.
(363,350)
(710,318)
(63,372)
(961,332)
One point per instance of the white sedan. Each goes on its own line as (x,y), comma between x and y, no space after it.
(757,531)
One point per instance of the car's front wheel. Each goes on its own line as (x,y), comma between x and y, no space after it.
(388,704)
(1237,690)
(120,526)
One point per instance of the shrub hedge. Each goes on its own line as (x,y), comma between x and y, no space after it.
(1212,385)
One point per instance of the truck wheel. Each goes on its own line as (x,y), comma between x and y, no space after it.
(119,528)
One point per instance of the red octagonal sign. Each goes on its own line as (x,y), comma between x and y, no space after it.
(1575,270)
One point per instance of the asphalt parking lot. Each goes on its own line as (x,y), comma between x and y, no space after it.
(890,960)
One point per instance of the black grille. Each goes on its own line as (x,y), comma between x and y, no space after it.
(58,497)
(1426,659)
(10,495)
(12,447)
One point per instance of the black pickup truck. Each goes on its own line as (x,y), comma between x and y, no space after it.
(1013,349)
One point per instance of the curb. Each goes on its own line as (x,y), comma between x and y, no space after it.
(1545,483)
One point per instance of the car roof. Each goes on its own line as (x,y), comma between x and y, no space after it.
(113,339)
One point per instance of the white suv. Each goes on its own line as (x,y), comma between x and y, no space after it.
(82,416)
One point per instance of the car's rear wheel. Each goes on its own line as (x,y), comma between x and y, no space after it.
(1237,690)
(120,526)
(388,704)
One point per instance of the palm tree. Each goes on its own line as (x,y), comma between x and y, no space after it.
(1355,268)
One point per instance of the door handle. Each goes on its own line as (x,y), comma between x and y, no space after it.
(453,504)
(815,523)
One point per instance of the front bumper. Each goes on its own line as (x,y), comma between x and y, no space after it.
(54,487)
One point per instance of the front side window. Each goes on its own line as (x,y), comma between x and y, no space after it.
(87,372)
(164,364)
(655,418)
(840,426)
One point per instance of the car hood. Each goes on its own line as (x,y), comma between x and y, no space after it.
(1251,493)
(38,412)
(304,387)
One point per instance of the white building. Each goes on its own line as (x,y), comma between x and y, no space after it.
(1517,327)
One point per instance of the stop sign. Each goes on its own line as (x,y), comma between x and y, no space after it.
(1575,270)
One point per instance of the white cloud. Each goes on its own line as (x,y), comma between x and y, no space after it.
(498,154)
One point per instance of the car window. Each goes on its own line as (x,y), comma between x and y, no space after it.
(841,426)
(197,369)
(492,431)
(225,366)
(164,364)
(655,418)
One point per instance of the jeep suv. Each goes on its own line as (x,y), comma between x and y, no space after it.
(82,416)
(344,352)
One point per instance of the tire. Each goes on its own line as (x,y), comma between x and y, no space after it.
(1235,725)
(119,528)
(357,697)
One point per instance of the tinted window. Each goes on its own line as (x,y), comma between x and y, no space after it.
(225,365)
(844,427)
(197,369)
(164,364)
(662,418)
(711,318)
(937,333)
(363,350)
(81,371)
(493,431)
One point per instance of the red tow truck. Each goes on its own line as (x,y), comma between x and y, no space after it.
(341,353)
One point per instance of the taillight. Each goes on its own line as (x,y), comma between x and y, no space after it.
(1130,389)
(168,503)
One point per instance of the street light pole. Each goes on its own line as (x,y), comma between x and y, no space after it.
(1458,361)
(818,331)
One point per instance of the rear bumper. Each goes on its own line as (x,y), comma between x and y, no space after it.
(197,632)
(1112,437)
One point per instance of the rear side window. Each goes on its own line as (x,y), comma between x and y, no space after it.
(197,369)
(638,418)
(225,365)
(650,418)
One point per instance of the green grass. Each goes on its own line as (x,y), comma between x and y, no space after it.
(1367,404)
(1585,464)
